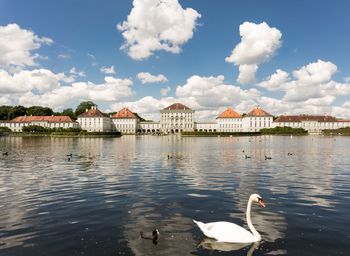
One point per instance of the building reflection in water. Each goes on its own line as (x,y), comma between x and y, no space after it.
(202,177)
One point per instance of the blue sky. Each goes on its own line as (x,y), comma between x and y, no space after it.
(293,57)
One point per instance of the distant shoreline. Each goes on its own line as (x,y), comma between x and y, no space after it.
(61,135)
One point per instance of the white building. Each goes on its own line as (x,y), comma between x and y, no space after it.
(19,122)
(149,126)
(176,118)
(125,121)
(256,120)
(93,120)
(311,123)
(205,126)
(229,121)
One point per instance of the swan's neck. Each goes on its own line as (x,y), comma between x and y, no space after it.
(249,221)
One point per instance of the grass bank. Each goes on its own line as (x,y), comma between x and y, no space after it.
(283,131)
(340,131)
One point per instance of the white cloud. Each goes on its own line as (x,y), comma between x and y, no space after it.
(276,81)
(165,91)
(5,100)
(17,46)
(259,42)
(108,70)
(146,78)
(111,90)
(311,81)
(247,74)
(41,80)
(75,72)
(154,25)
(148,107)
(212,91)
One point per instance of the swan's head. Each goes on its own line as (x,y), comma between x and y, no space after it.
(258,199)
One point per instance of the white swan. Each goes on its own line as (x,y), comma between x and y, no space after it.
(229,232)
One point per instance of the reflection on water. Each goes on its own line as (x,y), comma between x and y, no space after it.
(96,201)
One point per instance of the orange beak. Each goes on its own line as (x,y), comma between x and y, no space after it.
(261,203)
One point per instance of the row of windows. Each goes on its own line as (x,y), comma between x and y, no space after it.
(255,124)
(230,125)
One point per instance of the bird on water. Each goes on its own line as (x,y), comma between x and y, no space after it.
(150,235)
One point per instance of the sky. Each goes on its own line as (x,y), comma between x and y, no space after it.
(288,57)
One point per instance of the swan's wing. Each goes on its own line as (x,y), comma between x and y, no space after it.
(212,244)
(229,232)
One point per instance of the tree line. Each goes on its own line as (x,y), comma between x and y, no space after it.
(11,112)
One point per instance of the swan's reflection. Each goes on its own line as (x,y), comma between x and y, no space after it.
(212,244)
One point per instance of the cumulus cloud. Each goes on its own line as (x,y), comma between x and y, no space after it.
(148,107)
(5,100)
(311,81)
(17,46)
(276,81)
(259,42)
(154,25)
(308,90)
(165,91)
(108,70)
(112,89)
(213,91)
(146,78)
(41,80)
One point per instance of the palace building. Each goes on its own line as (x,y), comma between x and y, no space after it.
(177,118)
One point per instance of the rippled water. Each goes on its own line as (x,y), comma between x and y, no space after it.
(97,202)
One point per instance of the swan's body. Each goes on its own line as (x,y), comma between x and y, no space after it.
(228,232)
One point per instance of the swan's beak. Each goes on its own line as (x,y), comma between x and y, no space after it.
(261,203)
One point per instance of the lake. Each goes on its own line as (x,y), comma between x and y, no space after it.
(97,201)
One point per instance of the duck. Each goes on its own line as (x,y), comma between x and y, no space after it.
(150,235)
(246,157)
(227,232)
(268,157)
(290,154)
(69,155)
(5,153)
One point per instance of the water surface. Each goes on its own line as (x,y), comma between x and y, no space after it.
(97,201)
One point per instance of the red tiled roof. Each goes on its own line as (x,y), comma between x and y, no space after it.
(301,118)
(92,112)
(124,113)
(176,106)
(229,113)
(50,119)
(257,111)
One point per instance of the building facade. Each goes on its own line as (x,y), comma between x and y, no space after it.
(176,118)
(311,123)
(229,121)
(149,127)
(93,120)
(19,122)
(125,121)
(256,120)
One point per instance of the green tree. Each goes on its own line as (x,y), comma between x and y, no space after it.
(69,112)
(39,111)
(83,106)
(4,112)
(17,111)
